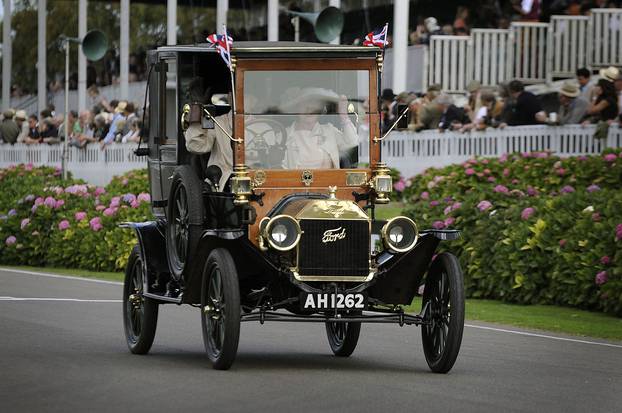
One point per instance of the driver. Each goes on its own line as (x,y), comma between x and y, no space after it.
(311,144)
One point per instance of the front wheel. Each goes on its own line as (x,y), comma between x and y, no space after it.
(140,314)
(343,337)
(444,295)
(220,309)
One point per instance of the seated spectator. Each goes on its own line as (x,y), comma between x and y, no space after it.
(33,131)
(572,107)
(605,103)
(452,117)
(586,86)
(8,128)
(527,109)
(20,120)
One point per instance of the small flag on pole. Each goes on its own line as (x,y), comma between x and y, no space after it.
(223,47)
(377,38)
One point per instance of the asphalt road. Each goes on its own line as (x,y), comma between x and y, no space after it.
(59,355)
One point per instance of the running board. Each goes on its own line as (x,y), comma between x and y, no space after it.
(401,319)
(173,300)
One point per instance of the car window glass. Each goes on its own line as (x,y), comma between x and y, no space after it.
(305,119)
(171,100)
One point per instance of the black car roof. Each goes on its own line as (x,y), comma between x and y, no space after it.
(276,49)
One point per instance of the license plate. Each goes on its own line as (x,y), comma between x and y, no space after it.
(329,301)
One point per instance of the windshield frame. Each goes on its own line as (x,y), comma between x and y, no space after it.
(308,64)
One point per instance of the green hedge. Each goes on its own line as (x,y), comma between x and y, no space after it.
(535,228)
(45,221)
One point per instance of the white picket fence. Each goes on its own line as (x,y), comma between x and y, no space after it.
(531,52)
(409,152)
(92,164)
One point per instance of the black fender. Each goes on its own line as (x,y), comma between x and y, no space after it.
(400,275)
(152,244)
(248,259)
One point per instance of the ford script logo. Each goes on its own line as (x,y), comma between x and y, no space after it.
(332,235)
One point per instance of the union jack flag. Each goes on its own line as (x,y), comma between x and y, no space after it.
(223,47)
(377,38)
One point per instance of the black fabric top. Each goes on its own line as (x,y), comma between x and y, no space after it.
(525,109)
(611,111)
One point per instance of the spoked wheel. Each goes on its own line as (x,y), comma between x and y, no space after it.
(343,337)
(444,291)
(140,314)
(185,216)
(220,309)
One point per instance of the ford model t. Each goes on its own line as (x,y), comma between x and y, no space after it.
(264,178)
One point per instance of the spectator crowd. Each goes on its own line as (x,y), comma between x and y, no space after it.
(586,100)
(106,123)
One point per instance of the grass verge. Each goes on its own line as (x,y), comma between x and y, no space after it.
(541,317)
(111,276)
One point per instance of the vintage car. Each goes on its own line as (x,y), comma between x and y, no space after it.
(280,224)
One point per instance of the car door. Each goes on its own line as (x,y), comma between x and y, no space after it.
(170,123)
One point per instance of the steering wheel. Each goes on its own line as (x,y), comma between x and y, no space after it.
(267,138)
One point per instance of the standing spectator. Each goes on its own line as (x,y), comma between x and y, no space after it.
(529,10)
(86,134)
(572,107)
(8,128)
(388,108)
(133,135)
(527,109)
(605,104)
(426,114)
(488,112)
(474,89)
(618,87)
(33,130)
(73,129)
(452,117)
(586,87)
(115,123)
(100,127)
(48,132)
(20,121)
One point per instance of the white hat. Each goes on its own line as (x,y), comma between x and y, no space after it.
(611,73)
(431,24)
(21,115)
(294,97)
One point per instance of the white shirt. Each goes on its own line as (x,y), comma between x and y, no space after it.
(318,148)
(200,141)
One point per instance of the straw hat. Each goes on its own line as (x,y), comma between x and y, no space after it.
(473,86)
(570,89)
(611,73)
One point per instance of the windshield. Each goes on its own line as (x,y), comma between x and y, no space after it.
(305,119)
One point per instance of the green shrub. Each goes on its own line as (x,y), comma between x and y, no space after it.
(535,228)
(47,221)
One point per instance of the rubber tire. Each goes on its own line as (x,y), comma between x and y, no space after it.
(346,347)
(221,258)
(445,263)
(184,176)
(141,343)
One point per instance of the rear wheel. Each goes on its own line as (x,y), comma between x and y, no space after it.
(444,294)
(184,219)
(343,337)
(220,309)
(140,314)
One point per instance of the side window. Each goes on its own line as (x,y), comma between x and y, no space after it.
(152,119)
(171,101)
